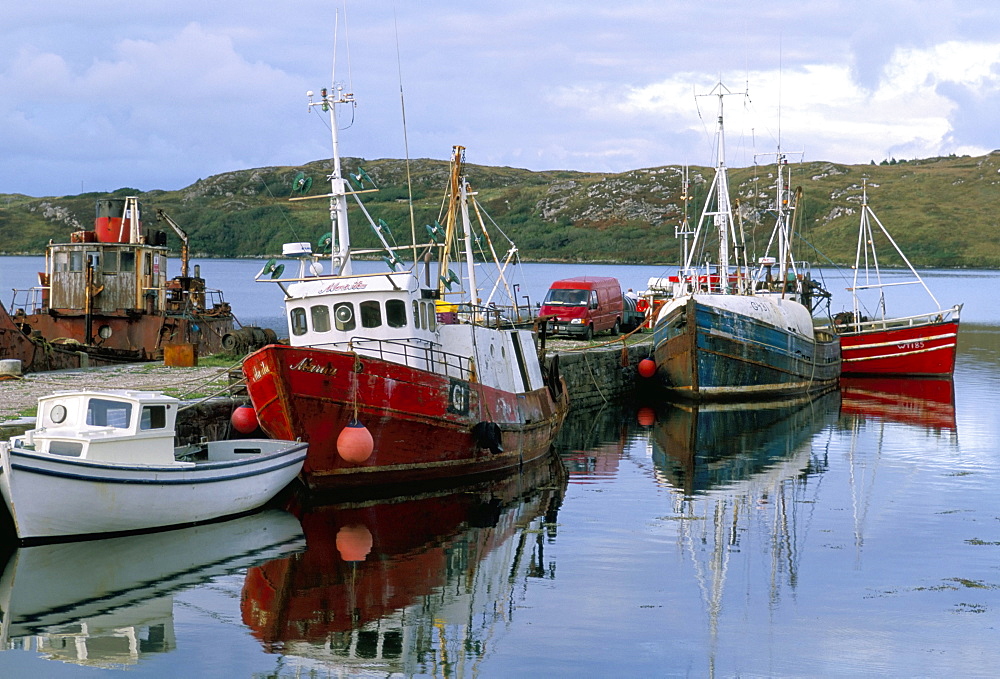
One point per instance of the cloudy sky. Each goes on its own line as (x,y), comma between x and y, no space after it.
(105,94)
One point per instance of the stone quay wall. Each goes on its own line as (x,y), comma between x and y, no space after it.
(598,375)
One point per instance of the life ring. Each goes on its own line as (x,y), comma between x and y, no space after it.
(642,305)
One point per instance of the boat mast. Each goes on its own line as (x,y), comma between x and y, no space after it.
(683,230)
(340,255)
(784,210)
(470,260)
(722,214)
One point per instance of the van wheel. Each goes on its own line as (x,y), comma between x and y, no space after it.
(589,335)
(617,329)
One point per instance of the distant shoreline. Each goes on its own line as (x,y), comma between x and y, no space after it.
(596,262)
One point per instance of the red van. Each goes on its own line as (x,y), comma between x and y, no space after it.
(583,306)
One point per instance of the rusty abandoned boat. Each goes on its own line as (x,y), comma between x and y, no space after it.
(105,298)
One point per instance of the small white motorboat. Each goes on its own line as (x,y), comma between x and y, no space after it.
(101,462)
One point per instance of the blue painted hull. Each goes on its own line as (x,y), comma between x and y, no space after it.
(705,352)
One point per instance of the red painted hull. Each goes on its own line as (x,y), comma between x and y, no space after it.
(927,402)
(421,423)
(136,337)
(38,355)
(927,349)
(366,561)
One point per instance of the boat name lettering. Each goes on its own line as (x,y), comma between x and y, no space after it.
(341,286)
(259,370)
(306,365)
(911,345)
(757,306)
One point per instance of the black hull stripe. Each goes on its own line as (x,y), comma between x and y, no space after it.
(76,476)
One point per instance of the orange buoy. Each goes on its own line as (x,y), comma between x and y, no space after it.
(355,443)
(244,419)
(642,305)
(646,416)
(647,367)
(354,542)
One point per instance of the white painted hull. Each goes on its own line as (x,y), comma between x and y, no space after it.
(51,497)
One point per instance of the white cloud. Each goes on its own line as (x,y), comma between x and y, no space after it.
(823,109)
(165,95)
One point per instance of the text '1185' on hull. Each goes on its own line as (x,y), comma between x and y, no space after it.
(898,348)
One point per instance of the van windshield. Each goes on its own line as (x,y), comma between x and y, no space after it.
(567,297)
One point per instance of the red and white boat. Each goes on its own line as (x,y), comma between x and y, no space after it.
(922,344)
(403,376)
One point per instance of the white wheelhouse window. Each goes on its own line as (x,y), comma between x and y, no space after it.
(371,314)
(297,318)
(343,316)
(395,313)
(320,315)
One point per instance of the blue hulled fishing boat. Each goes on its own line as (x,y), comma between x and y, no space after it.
(731,333)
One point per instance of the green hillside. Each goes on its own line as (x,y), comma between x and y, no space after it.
(942,211)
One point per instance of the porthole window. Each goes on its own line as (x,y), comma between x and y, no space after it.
(320,318)
(395,313)
(58,414)
(343,316)
(298,321)
(371,314)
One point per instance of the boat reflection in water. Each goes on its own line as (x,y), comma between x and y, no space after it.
(107,603)
(593,442)
(738,479)
(698,448)
(407,584)
(924,402)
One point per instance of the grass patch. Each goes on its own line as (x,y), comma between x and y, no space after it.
(220,361)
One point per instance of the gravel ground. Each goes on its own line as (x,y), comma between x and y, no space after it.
(19,397)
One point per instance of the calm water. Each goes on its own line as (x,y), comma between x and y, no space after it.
(857,534)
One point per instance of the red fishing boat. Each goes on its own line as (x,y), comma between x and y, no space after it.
(922,344)
(104,298)
(394,377)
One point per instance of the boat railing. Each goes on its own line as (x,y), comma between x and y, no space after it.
(713,283)
(416,353)
(489,315)
(845,321)
(30,300)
